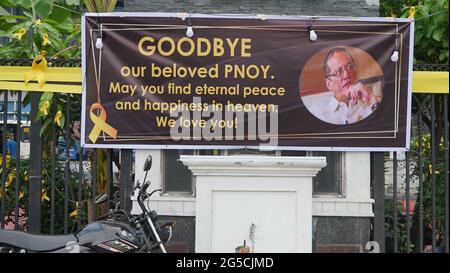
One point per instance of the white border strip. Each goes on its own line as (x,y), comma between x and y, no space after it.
(410,74)
(83,77)
(249,16)
(256,148)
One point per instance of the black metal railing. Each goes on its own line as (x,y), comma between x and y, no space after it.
(58,176)
(420,221)
(54,171)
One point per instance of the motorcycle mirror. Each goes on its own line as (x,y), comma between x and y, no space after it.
(101,199)
(148,163)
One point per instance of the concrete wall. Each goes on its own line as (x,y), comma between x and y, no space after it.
(355,8)
(340,234)
(330,234)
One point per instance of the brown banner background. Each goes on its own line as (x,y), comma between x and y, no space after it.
(282,44)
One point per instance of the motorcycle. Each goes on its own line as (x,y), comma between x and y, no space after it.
(117,232)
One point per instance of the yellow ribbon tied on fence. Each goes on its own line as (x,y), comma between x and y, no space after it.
(412,12)
(37,71)
(100,123)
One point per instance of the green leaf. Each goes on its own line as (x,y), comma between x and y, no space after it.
(12,18)
(99,6)
(44,126)
(46,96)
(418,38)
(6,15)
(16,27)
(425,9)
(437,34)
(28,14)
(443,56)
(6,3)
(63,120)
(27,99)
(445,43)
(431,30)
(43,8)
(50,29)
(440,18)
(73,2)
(89,5)
(111,6)
(38,116)
(59,14)
(66,25)
(50,21)
(24,3)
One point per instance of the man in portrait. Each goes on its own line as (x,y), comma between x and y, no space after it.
(350,100)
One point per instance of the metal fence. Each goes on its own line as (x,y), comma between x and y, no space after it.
(416,208)
(50,187)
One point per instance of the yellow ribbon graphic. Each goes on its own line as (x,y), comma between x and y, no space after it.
(99,123)
(37,71)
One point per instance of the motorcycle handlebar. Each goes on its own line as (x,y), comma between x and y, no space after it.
(145,186)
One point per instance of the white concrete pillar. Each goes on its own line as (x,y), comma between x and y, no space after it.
(264,200)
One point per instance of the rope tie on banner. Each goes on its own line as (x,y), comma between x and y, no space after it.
(182,15)
(261,17)
(37,70)
(100,123)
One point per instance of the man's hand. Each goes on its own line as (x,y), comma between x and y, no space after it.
(360,92)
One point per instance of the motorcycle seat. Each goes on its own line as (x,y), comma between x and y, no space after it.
(35,242)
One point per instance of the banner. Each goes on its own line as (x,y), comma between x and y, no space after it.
(158,80)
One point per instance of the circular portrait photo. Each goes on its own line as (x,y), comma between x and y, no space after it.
(341,85)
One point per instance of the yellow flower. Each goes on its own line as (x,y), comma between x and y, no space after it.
(57,118)
(46,40)
(412,12)
(18,35)
(44,108)
(37,23)
(44,196)
(10,178)
(75,212)
(8,160)
(21,195)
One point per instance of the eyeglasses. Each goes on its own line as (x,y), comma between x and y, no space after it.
(350,67)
